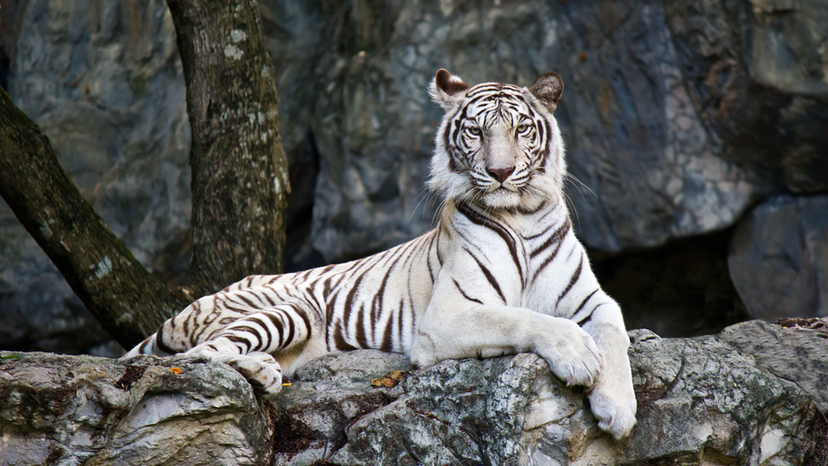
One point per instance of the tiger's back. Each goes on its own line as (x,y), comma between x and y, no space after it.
(501,273)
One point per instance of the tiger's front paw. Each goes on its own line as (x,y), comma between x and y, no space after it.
(613,404)
(572,355)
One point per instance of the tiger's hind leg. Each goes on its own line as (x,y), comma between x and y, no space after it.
(250,343)
(260,369)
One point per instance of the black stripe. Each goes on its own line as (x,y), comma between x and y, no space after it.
(526,211)
(537,235)
(437,249)
(464,293)
(240,310)
(266,333)
(497,228)
(555,237)
(291,327)
(386,337)
(586,319)
(488,275)
(329,305)
(277,322)
(305,319)
(362,341)
(374,316)
(289,291)
(323,271)
(428,257)
(583,303)
(246,329)
(339,341)
(548,133)
(267,297)
(195,311)
(316,306)
(400,322)
(236,339)
(413,314)
(143,345)
(159,342)
(448,146)
(575,276)
(238,296)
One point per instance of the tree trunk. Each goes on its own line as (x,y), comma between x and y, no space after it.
(128,301)
(239,169)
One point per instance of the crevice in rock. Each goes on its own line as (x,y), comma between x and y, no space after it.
(682,289)
(817,429)
(303,168)
(287,436)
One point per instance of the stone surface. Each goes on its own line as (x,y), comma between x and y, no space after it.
(758,72)
(778,258)
(796,354)
(746,396)
(753,394)
(73,410)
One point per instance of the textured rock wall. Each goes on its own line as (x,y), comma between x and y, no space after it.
(632,130)
(678,118)
(745,396)
(104,83)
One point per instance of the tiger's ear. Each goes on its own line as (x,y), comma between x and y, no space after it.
(548,89)
(447,90)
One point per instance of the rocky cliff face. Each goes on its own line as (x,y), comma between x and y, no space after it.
(745,396)
(683,122)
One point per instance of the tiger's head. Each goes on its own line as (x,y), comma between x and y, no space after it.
(498,146)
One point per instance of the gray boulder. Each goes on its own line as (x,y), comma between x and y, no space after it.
(73,410)
(778,258)
(753,394)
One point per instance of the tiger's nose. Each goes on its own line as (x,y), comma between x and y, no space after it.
(500,174)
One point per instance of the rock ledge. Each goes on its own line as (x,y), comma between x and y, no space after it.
(754,394)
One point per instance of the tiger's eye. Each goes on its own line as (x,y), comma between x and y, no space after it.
(474,130)
(522,128)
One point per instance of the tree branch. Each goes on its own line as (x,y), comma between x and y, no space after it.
(128,301)
(239,167)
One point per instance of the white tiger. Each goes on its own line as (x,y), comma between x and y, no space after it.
(501,273)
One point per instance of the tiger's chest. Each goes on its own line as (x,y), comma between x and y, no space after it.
(530,260)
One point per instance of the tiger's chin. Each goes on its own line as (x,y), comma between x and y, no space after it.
(503,199)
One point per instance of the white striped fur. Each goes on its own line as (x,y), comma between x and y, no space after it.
(501,273)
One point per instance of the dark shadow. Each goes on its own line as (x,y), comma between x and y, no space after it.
(682,289)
